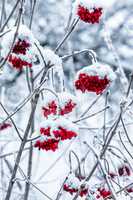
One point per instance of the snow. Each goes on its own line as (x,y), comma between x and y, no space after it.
(23,33)
(61,121)
(94,3)
(50,56)
(98,69)
(73,181)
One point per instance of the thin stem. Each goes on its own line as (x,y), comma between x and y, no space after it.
(115,125)
(67,35)
(9,17)
(32,13)
(19,135)
(15,35)
(29,170)
(89,116)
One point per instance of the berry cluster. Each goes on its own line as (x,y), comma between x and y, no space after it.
(22,51)
(91,83)
(72,186)
(48,144)
(89,16)
(52,108)
(103,193)
(94,78)
(65,106)
(54,132)
(123,170)
(15,58)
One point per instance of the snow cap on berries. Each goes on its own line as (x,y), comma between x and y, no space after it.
(52,132)
(90,4)
(62,104)
(68,103)
(72,185)
(57,124)
(94,78)
(23,50)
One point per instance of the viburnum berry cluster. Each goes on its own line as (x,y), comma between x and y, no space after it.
(94,78)
(123,173)
(89,16)
(64,105)
(23,51)
(90,11)
(72,186)
(103,193)
(53,132)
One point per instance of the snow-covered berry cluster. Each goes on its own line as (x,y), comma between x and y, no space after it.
(63,105)
(90,11)
(21,46)
(72,185)
(53,132)
(103,193)
(101,190)
(89,16)
(94,78)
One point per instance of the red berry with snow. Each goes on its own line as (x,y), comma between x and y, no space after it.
(83,191)
(22,52)
(64,134)
(18,63)
(94,78)
(52,132)
(45,131)
(21,47)
(103,193)
(74,185)
(50,109)
(69,189)
(70,105)
(89,16)
(87,83)
(65,104)
(49,144)
(112,174)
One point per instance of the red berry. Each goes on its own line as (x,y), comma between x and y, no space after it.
(4,126)
(50,109)
(20,47)
(69,189)
(45,131)
(91,83)
(68,108)
(64,134)
(103,193)
(18,63)
(50,144)
(89,16)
